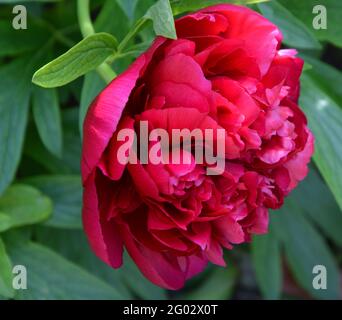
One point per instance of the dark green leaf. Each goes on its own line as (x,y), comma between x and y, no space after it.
(14,105)
(80,59)
(22,205)
(70,162)
(119,26)
(50,276)
(128,7)
(317,202)
(47,117)
(304,249)
(295,32)
(21,1)
(92,86)
(13,42)
(217,285)
(267,264)
(303,10)
(73,245)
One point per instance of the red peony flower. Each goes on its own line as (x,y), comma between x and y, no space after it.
(225,71)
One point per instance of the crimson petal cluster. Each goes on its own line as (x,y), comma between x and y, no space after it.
(225,70)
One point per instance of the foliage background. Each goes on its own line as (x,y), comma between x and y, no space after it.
(40,144)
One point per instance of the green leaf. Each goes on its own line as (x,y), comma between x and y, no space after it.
(318,204)
(70,161)
(6,288)
(47,117)
(22,1)
(267,264)
(14,106)
(161,15)
(181,6)
(22,205)
(330,79)
(303,10)
(307,66)
(217,285)
(295,32)
(92,86)
(13,42)
(325,120)
(104,22)
(128,7)
(80,59)
(65,192)
(304,249)
(73,245)
(52,277)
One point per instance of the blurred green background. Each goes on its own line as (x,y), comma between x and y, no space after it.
(40,145)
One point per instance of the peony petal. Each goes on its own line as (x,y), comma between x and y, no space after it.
(104,238)
(262,38)
(105,112)
(154,265)
(201,24)
(232,90)
(110,164)
(181,69)
(297,166)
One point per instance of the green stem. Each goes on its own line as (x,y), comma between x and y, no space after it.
(84,19)
(87,29)
(106,72)
(130,35)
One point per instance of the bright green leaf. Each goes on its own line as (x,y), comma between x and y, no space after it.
(22,205)
(325,120)
(80,59)
(47,117)
(161,15)
(6,288)
(66,194)
(330,79)
(181,6)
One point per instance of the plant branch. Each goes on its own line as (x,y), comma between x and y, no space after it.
(87,29)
